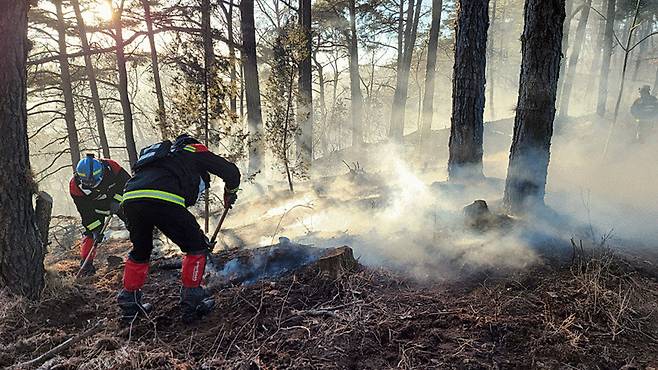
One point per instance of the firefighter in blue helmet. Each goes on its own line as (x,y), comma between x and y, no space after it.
(645,112)
(97,191)
(168,178)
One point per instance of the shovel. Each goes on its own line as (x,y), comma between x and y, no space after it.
(219,226)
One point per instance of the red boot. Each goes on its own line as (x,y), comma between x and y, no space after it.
(86,245)
(194,300)
(130,297)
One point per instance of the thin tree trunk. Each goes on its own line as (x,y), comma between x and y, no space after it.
(324,140)
(123,87)
(566,28)
(305,85)
(642,49)
(490,71)
(208,86)
(608,39)
(67,89)
(400,34)
(430,71)
(655,82)
(565,97)
(624,68)
(252,87)
(91,76)
(286,128)
(233,74)
(597,55)
(398,109)
(21,248)
(162,113)
(466,131)
(355,81)
(533,126)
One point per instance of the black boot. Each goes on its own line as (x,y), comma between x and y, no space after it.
(195,303)
(89,268)
(131,305)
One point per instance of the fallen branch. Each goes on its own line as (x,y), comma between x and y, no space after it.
(62,347)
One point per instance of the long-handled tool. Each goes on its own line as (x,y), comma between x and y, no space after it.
(219,226)
(93,248)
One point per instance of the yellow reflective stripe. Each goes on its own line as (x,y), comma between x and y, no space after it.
(99,211)
(118,197)
(154,194)
(93,225)
(189,148)
(82,174)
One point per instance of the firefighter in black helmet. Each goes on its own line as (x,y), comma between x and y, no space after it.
(168,178)
(645,112)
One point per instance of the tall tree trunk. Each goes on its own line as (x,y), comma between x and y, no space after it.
(627,50)
(123,87)
(608,40)
(398,109)
(162,113)
(490,64)
(305,97)
(566,28)
(430,71)
(324,139)
(533,126)
(655,82)
(252,87)
(400,48)
(233,74)
(466,130)
(642,49)
(91,76)
(208,87)
(565,97)
(67,89)
(596,55)
(21,249)
(355,81)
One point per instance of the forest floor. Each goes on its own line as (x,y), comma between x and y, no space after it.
(427,292)
(597,311)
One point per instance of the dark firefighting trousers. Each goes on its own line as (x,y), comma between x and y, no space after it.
(175,222)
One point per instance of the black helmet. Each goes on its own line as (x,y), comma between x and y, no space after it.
(184,139)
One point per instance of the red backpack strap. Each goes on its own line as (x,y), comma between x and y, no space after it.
(113,165)
(195,148)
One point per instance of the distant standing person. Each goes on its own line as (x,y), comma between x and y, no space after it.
(645,111)
(168,179)
(97,191)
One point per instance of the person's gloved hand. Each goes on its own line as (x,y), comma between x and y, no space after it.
(230,196)
(210,245)
(98,236)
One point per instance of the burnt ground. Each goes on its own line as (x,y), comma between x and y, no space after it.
(598,311)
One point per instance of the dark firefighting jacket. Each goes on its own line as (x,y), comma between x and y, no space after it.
(645,108)
(96,204)
(177,178)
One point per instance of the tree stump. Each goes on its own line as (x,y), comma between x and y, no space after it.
(335,262)
(43,211)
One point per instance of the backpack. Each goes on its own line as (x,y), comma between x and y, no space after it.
(152,154)
(164,149)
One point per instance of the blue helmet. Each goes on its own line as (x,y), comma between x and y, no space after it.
(89,172)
